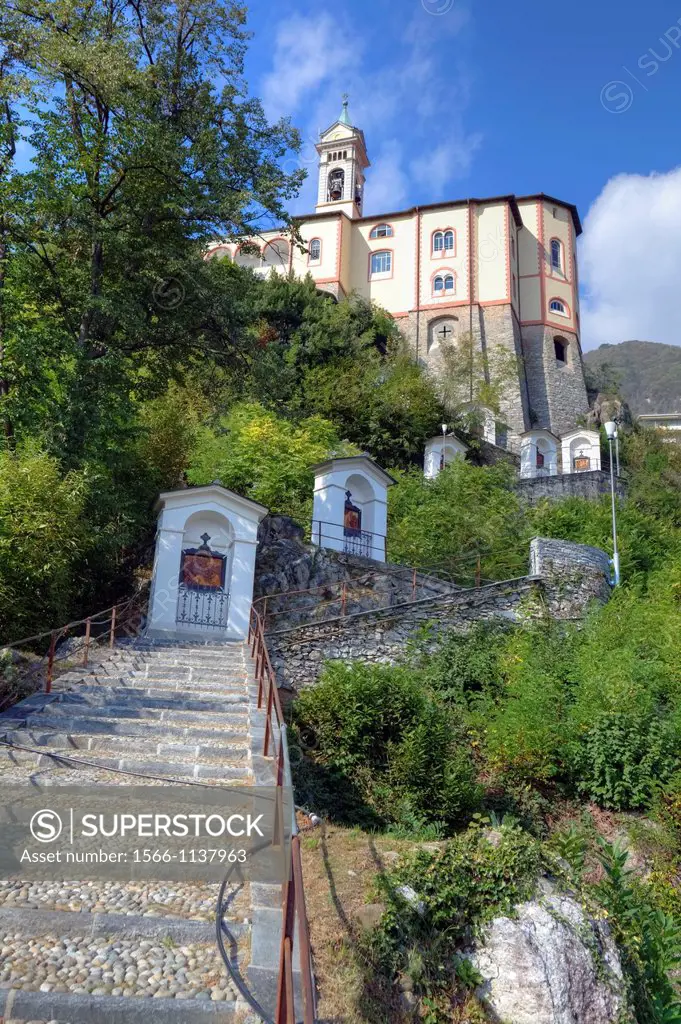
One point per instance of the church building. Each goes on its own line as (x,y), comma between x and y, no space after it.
(500,270)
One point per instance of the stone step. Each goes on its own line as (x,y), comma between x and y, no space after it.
(84,1009)
(234,750)
(118,712)
(217,679)
(123,689)
(148,899)
(146,766)
(214,660)
(127,727)
(135,698)
(112,972)
(31,923)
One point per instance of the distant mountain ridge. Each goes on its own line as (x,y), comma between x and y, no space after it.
(649,373)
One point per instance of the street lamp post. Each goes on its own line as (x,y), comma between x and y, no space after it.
(611,433)
(443,460)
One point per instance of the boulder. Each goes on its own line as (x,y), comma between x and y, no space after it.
(553,964)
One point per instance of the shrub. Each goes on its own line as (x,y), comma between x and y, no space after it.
(625,758)
(527,730)
(446,522)
(378,733)
(649,940)
(454,891)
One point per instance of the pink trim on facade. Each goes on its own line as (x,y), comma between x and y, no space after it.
(507,256)
(562,328)
(540,252)
(339,247)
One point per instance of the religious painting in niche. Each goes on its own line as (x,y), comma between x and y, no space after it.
(352,522)
(540,459)
(201,568)
(582,462)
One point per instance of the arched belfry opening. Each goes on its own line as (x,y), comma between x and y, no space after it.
(336,189)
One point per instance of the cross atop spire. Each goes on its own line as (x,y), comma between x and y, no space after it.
(345,117)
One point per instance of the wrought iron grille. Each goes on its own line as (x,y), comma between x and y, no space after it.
(202,609)
(357,542)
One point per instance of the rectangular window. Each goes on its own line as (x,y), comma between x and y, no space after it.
(381,262)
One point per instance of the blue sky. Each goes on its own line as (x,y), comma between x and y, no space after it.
(464,100)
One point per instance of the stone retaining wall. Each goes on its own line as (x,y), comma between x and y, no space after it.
(590,485)
(565,579)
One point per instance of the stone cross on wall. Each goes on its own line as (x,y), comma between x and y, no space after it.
(444,332)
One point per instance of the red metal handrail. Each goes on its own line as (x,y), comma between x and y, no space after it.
(108,617)
(293,894)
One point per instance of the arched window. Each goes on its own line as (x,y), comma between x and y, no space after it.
(381,231)
(561,350)
(245,258)
(336,185)
(443,242)
(381,262)
(556,306)
(449,283)
(315,250)
(277,253)
(221,252)
(556,254)
(438,285)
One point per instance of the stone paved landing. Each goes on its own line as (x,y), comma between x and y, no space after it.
(121,952)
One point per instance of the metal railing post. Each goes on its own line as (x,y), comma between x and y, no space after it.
(344,598)
(86,652)
(113,626)
(50,662)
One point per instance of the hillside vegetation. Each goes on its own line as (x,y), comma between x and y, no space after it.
(648,374)
(129,364)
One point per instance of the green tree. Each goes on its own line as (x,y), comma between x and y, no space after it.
(42,536)
(149,148)
(265,457)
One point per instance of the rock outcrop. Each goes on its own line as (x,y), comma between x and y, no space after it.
(553,964)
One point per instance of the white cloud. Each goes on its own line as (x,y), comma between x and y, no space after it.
(387,188)
(446,162)
(630,260)
(308,51)
(398,104)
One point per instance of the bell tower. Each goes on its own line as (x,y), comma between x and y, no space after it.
(342,163)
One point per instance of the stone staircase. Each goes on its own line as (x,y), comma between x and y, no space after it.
(121,952)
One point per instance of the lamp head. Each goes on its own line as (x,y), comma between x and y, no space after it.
(444,428)
(610,430)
